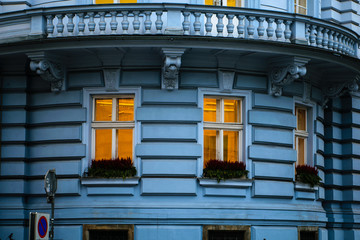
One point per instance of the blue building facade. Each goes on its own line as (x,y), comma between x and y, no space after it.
(271,84)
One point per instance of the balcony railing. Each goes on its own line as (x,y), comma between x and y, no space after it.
(178,19)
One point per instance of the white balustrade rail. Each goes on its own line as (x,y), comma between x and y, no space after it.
(196,20)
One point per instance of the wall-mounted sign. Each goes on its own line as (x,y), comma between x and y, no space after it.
(39,226)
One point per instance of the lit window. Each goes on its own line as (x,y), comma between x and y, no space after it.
(300,6)
(114,1)
(112,127)
(222,129)
(228,3)
(301,134)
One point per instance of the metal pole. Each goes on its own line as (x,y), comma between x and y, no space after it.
(52,219)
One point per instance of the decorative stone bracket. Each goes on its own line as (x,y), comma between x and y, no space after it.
(49,70)
(339,89)
(170,71)
(284,72)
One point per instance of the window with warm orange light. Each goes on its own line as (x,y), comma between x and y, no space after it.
(114,1)
(300,6)
(301,134)
(228,3)
(223,127)
(113,127)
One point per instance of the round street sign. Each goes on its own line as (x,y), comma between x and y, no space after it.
(42,227)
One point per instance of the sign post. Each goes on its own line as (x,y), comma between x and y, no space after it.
(50,189)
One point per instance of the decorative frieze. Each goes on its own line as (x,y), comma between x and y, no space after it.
(170,71)
(285,71)
(49,70)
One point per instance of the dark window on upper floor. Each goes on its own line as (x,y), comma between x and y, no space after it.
(108,235)
(308,235)
(226,235)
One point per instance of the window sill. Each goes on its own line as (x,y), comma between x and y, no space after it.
(110,186)
(304,191)
(227,188)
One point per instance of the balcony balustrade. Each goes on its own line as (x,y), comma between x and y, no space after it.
(177,19)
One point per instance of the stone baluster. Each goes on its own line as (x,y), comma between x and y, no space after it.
(197,24)
(91,24)
(319,36)
(81,24)
(312,35)
(60,25)
(186,23)
(346,45)
(158,22)
(261,28)
(102,23)
(251,27)
(208,24)
(230,25)
(331,40)
(287,32)
(336,43)
(341,43)
(279,30)
(352,47)
(50,25)
(113,23)
(325,42)
(241,26)
(136,22)
(270,30)
(220,25)
(125,22)
(147,23)
(70,25)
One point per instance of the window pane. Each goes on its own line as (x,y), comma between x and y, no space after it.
(300,148)
(302,10)
(108,235)
(103,109)
(210,106)
(103,144)
(231,146)
(232,111)
(103,1)
(301,118)
(125,109)
(128,1)
(231,3)
(209,145)
(302,3)
(125,141)
(208,2)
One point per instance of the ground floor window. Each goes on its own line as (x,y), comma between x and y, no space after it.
(308,233)
(221,232)
(108,232)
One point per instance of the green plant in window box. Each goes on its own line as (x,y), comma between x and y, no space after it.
(112,168)
(307,174)
(222,170)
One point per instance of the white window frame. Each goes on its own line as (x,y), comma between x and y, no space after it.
(309,134)
(113,124)
(88,94)
(246,106)
(221,126)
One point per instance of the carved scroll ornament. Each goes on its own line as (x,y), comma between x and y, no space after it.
(172,63)
(339,89)
(281,76)
(49,71)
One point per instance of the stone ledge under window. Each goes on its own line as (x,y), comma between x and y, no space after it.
(110,186)
(227,188)
(305,192)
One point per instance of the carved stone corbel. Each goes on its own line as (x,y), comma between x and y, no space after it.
(111,78)
(170,71)
(49,70)
(339,89)
(284,72)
